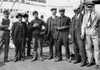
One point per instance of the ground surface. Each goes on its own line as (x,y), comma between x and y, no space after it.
(39,65)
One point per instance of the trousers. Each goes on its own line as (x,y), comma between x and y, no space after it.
(5,41)
(37,45)
(79,48)
(62,40)
(93,39)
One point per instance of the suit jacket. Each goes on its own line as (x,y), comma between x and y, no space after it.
(76,25)
(62,22)
(29,35)
(19,31)
(99,28)
(50,27)
(85,29)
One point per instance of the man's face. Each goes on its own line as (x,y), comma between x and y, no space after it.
(36,15)
(77,11)
(6,15)
(19,18)
(62,13)
(53,12)
(26,18)
(90,9)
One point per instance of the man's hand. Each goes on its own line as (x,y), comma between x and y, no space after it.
(59,28)
(35,25)
(69,36)
(82,36)
(26,39)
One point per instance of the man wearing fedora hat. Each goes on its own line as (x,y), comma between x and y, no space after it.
(19,33)
(62,33)
(90,32)
(78,43)
(50,31)
(6,35)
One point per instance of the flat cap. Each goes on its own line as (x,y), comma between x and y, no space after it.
(19,15)
(75,8)
(53,9)
(61,9)
(25,15)
(5,12)
(89,4)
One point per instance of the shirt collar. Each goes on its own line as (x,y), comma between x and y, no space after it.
(53,16)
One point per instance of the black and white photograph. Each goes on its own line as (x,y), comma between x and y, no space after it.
(49,34)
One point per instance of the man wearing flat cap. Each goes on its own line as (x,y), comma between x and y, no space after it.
(51,32)
(78,43)
(6,35)
(19,34)
(62,33)
(89,31)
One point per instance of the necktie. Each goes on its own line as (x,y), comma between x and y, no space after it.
(90,20)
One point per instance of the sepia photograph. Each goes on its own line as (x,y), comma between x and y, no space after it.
(49,34)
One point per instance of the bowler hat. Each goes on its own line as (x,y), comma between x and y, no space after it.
(19,15)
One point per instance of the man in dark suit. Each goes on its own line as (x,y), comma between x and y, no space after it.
(79,45)
(19,34)
(50,31)
(6,34)
(29,35)
(61,34)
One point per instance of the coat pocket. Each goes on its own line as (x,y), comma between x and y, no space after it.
(91,31)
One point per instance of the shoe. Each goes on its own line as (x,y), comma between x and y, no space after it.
(6,60)
(34,59)
(0,52)
(22,59)
(50,58)
(75,62)
(83,64)
(57,59)
(97,67)
(89,64)
(15,60)
(69,60)
(41,59)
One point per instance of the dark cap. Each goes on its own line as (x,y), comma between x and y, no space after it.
(62,9)
(89,4)
(80,7)
(53,9)
(76,8)
(5,12)
(35,12)
(19,15)
(25,15)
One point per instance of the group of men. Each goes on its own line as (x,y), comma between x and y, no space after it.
(84,31)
